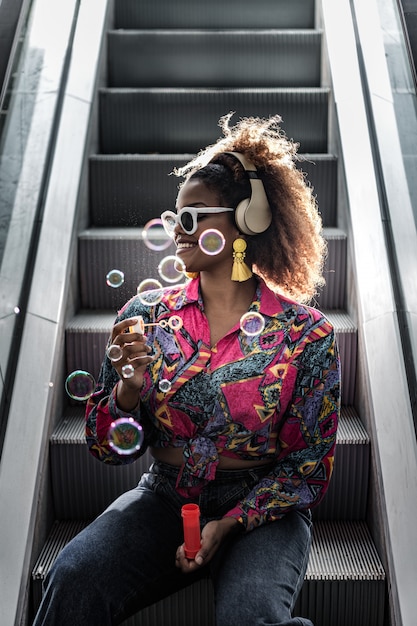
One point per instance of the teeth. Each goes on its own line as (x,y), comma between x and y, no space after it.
(185,245)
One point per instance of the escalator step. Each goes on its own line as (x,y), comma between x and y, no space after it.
(344,583)
(104,249)
(83,487)
(135,121)
(347,340)
(214,14)
(333,294)
(129,190)
(244,58)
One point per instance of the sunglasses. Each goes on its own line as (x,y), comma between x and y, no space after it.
(187,218)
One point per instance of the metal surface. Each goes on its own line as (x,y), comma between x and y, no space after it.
(391,427)
(216,14)
(208,58)
(39,359)
(172,120)
(122,186)
(343,570)
(26,140)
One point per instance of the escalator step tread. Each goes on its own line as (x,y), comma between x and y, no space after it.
(131,189)
(185,120)
(215,14)
(213,58)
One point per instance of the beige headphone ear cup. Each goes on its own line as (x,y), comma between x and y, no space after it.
(240,216)
(253,215)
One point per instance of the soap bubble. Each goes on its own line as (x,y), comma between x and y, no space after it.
(150,291)
(154,235)
(114,352)
(252,323)
(164,385)
(128,371)
(125,435)
(211,241)
(80,385)
(175,322)
(115,278)
(171,269)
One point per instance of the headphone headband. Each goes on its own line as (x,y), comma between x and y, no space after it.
(252,215)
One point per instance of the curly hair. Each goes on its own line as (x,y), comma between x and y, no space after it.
(290,254)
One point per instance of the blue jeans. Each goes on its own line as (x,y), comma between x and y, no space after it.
(125,559)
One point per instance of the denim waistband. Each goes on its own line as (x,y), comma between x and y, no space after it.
(222,475)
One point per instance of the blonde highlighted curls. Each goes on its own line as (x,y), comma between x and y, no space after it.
(290,254)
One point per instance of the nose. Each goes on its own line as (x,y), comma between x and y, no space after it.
(177,228)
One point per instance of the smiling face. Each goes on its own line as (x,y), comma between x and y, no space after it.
(194,193)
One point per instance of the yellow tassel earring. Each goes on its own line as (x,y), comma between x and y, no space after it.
(240,271)
(192,275)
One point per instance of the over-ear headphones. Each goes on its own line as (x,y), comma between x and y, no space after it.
(252,215)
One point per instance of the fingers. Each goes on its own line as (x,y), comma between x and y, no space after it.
(129,352)
(211,538)
(120,332)
(185,565)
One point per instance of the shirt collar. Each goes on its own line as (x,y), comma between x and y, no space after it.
(265,300)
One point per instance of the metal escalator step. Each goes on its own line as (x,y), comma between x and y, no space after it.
(214,14)
(86,336)
(321,173)
(333,294)
(61,533)
(345,579)
(83,487)
(344,583)
(346,498)
(346,336)
(170,120)
(104,249)
(129,190)
(202,58)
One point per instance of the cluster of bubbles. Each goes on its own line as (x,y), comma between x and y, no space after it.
(125,435)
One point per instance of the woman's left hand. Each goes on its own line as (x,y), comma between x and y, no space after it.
(212,535)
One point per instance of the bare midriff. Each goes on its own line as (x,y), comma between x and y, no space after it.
(173,456)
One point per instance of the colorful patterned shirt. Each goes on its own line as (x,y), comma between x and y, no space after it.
(272,396)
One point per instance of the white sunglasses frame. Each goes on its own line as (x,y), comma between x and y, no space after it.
(194,212)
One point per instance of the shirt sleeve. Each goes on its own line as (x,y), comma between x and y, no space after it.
(306,440)
(102,410)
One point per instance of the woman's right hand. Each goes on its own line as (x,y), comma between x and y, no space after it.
(135,353)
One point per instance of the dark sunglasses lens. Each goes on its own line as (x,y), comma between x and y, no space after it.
(187,221)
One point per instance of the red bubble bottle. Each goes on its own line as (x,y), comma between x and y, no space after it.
(192,535)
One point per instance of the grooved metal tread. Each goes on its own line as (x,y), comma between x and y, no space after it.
(329,558)
(102,249)
(344,572)
(217,14)
(213,58)
(130,189)
(183,120)
(72,466)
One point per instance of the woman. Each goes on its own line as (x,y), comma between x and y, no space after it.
(240,421)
